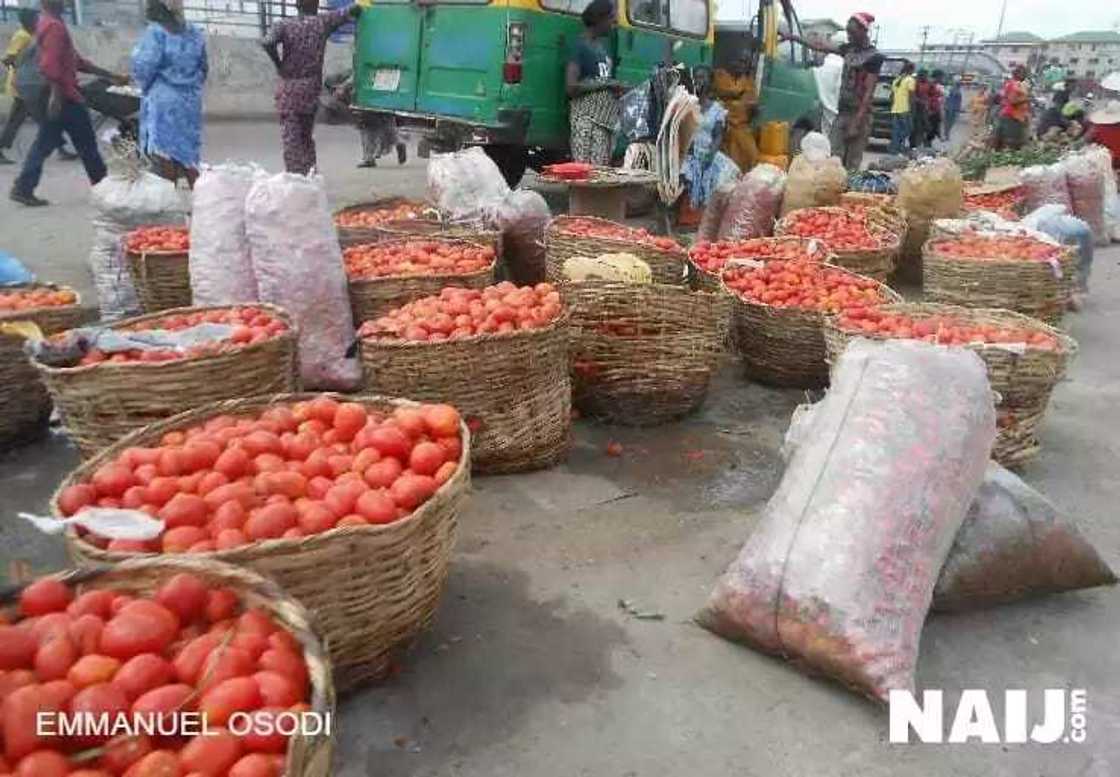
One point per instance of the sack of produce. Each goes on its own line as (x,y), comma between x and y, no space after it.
(927,190)
(1046,185)
(522,217)
(620,268)
(839,574)
(1014,544)
(465,184)
(1054,221)
(221,268)
(753,205)
(813,182)
(712,217)
(122,203)
(1087,194)
(298,266)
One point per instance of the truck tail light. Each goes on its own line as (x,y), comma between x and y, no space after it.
(515,51)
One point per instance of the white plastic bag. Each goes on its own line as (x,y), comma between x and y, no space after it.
(812,184)
(298,266)
(220,264)
(1046,185)
(816,147)
(839,574)
(465,184)
(1086,183)
(122,203)
(753,205)
(522,217)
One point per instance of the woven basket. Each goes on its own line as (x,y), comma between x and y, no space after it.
(1018,377)
(877,263)
(705,280)
(372,589)
(473,233)
(882,209)
(644,354)
(784,346)
(665,266)
(348,236)
(162,280)
(100,403)
(371,298)
(1016,440)
(307,756)
(1026,287)
(50,320)
(513,388)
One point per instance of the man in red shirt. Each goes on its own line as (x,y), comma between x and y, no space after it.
(64,109)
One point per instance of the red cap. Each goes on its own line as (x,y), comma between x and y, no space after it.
(865,19)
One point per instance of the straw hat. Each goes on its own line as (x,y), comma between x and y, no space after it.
(1109,113)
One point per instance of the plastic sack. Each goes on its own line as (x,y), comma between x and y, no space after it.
(465,184)
(1087,195)
(753,205)
(1014,544)
(122,203)
(522,217)
(635,108)
(220,265)
(65,349)
(816,147)
(13,271)
(1054,222)
(839,574)
(298,266)
(1102,158)
(1045,185)
(928,190)
(109,522)
(813,184)
(712,217)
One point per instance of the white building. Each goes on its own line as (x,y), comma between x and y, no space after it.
(1087,55)
(1016,48)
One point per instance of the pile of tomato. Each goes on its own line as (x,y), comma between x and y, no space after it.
(416,257)
(375,217)
(291,471)
(159,240)
(189,648)
(1005,204)
(251,325)
(713,256)
(611,231)
(456,313)
(31,299)
(841,230)
(804,285)
(997,248)
(947,330)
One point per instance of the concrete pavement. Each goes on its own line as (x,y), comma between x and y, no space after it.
(533,669)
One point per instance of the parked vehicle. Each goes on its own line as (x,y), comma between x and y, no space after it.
(881,100)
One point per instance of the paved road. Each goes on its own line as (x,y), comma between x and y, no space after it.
(532,669)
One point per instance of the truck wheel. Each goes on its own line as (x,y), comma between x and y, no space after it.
(511,160)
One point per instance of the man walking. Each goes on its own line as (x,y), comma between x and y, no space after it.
(17,49)
(902,90)
(65,110)
(296,46)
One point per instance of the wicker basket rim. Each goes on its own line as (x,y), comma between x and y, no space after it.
(291,333)
(891,240)
(672,289)
(556,226)
(929,251)
(400,225)
(488,337)
(1068,346)
(891,294)
(165,254)
(382,202)
(19,315)
(383,278)
(234,406)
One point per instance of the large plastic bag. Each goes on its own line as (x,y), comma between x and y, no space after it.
(13,271)
(811,184)
(1045,185)
(635,108)
(927,190)
(522,217)
(1102,158)
(1087,194)
(1013,545)
(753,205)
(839,574)
(1054,222)
(465,184)
(712,217)
(122,203)
(298,266)
(220,263)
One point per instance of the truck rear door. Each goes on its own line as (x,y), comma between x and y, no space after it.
(462,48)
(387,54)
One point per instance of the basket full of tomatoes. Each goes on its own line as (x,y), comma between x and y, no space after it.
(25,405)
(882,209)
(158,261)
(499,355)
(159,646)
(431,225)
(103,395)
(644,354)
(350,505)
(385,275)
(778,313)
(568,236)
(1007,201)
(990,270)
(1025,357)
(857,241)
(706,261)
(362,223)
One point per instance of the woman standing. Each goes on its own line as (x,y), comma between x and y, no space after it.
(593,109)
(734,87)
(169,64)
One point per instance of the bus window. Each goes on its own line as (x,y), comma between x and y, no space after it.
(689,16)
(649,12)
(565,6)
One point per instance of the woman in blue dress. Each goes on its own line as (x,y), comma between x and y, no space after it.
(169,64)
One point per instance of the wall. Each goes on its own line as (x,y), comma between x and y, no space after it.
(242,78)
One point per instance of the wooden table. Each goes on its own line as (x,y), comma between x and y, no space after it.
(604,193)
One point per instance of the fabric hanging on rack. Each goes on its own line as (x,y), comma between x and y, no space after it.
(682,116)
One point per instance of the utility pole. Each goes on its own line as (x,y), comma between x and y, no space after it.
(1002,15)
(922,50)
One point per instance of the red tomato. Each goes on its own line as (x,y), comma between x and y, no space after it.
(102,699)
(255,765)
(238,694)
(17,648)
(211,755)
(158,763)
(44,596)
(123,751)
(92,670)
(143,673)
(55,656)
(43,763)
(74,498)
(185,595)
